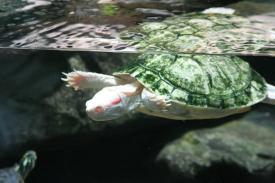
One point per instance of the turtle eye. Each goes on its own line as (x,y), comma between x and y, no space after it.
(99,109)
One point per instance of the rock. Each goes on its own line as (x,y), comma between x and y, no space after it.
(29,77)
(246,143)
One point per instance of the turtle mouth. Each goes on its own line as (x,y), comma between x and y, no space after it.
(103,113)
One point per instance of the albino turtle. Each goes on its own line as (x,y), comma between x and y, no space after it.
(175,86)
(18,172)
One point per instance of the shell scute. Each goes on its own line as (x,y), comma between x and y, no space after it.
(188,79)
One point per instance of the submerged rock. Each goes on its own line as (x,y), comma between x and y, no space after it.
(246,143)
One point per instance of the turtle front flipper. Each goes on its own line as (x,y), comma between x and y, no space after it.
(153,102)
(270,99)
(26,164)
(82,80)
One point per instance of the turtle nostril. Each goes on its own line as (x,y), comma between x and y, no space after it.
(98,109)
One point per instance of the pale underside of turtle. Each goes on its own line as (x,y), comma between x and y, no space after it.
(175,86)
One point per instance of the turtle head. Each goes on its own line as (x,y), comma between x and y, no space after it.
(107,104)
(26,164)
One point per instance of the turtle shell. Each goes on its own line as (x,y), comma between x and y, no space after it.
(199,80)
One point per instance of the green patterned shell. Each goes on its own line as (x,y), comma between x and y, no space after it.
(201,33)
(199,80)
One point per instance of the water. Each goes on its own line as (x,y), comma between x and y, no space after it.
(96,25)
(40,39)
(38,112)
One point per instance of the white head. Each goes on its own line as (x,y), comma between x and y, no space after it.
(107,104)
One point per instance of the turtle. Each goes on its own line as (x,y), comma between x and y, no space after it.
(174,86)
(20,171)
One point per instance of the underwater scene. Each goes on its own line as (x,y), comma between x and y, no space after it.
(137,91)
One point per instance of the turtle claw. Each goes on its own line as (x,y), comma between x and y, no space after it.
(73,79)
(168,103)
(64,79)
(64,73)
(161,102)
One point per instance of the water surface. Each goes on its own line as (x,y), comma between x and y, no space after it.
(93,25)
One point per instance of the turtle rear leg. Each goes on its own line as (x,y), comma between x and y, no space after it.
(82,80)
(270,99)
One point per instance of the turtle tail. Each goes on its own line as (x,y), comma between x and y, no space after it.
(26,164)
(270,99)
